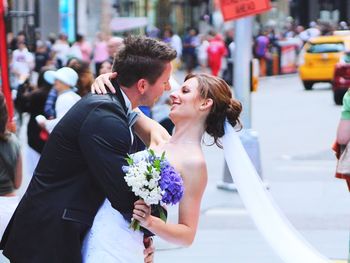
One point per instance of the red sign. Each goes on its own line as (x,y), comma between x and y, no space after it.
(233,9)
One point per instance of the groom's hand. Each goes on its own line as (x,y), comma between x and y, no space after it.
(104,79)
(149,249)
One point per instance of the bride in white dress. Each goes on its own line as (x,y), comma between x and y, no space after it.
(202,104)
(111,240)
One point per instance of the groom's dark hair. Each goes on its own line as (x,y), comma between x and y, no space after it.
(141,58)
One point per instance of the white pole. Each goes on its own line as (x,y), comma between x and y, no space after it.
(242,58)
(242,75)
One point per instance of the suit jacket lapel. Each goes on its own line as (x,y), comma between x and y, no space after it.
(120,98)
(119,95)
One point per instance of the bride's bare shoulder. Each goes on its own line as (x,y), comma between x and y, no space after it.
(194,166)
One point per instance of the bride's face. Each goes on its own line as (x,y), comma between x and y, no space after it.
(186,101)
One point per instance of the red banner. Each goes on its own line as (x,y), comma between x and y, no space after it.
(233,9)
(5,85)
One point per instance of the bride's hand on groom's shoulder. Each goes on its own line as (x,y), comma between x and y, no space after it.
(142,213)
(103,80)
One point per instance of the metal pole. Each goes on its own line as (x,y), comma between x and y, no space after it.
(243,56)
(242,75)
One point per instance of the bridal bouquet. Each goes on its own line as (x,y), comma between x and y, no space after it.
(154,180)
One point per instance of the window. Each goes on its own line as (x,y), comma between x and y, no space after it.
(326,48)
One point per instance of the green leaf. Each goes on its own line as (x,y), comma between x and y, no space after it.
(161,213)
(135,225)
(163,156)
(152,152)
(157,164)
(129,160)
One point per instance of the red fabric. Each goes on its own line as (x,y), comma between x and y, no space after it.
(44,135)
(216,51)
(336,149)
(4,63)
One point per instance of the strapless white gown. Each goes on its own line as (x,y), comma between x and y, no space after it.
(110,240)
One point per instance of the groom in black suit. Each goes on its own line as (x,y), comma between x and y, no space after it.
(82,160)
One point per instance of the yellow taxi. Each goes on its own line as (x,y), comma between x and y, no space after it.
(318,58)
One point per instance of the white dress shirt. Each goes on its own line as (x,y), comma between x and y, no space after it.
(64,102)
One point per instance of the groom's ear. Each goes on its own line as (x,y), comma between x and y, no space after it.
(142,86)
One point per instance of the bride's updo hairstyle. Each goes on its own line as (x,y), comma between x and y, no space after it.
(224,106)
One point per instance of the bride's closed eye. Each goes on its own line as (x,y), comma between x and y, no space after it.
(185,90)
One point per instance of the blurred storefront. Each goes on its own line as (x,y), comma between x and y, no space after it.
(41,16)
(181,14)
(331,11)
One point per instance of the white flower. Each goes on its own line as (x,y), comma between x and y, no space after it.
(144,181)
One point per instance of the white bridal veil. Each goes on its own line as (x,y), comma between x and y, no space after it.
(272,224)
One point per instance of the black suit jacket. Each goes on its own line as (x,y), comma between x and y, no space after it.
(80,166)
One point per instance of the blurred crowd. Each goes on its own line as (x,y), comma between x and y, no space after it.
(39,95)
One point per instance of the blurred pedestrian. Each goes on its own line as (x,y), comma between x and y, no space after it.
(175,42)
(84,46)
(261,51)
(85,79)
(113,44)
(189,54)
(343,132)
(61,49)
(22,62)
(343,138)
(227,74)
(32,100)
(216,51)
(202,54)
(64,81)
(100,51)
(343,25)
(85,76)
(41,56)
(10,168)
(13,41)
(106,67)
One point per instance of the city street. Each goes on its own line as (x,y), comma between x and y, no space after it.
(54,48)
(296,130)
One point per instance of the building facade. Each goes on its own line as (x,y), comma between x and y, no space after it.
(90,16)
(330,11)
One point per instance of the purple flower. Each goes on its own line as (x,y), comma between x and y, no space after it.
(171,184)
(125,169)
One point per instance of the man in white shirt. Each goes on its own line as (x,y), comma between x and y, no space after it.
(64,79)
(22,63)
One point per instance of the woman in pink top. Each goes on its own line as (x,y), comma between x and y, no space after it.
(100,51)
(85,48)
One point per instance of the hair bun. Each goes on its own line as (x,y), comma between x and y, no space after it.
(234,109)
(224,106)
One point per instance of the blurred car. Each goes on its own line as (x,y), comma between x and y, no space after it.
(341,80)
(318,58)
